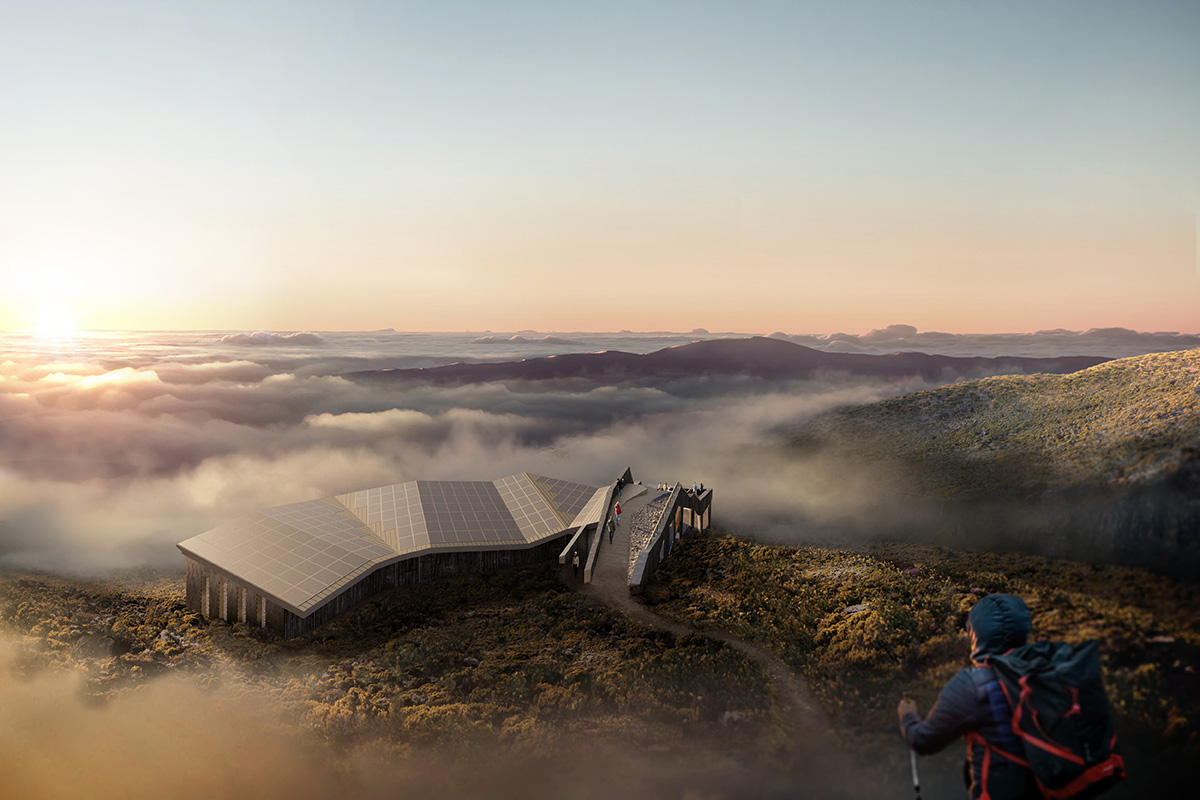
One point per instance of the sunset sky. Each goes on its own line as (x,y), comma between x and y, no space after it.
(805,167)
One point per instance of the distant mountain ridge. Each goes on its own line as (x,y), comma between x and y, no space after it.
(756,357)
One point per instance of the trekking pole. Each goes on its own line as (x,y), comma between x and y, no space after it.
(912,757)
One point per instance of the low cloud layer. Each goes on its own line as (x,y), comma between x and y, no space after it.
(263,338)
(109,466)
(114,451)
(519,339)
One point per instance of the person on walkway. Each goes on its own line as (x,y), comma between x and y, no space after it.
(612,528)
(972,706)
(575,564)
(617,511)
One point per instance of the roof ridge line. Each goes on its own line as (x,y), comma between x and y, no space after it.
(366,527)
(542,492)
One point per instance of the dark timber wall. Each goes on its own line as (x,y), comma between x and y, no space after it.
(417,569)
(243,602)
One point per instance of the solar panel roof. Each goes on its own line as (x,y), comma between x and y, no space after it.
(304,553)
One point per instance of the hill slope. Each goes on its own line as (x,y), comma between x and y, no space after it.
(1119,422)
(509,686)
(1107,458)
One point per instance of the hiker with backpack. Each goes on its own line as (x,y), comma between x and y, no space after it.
(1035,717)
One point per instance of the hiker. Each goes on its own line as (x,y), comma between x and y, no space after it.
(972,705)
(617,510)
(575,564)
(612,528)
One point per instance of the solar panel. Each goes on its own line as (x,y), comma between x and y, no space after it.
(302,553)
(463,512)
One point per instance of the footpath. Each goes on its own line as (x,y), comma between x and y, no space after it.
(803,720)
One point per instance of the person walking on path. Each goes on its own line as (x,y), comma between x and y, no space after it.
(972,705)
(575,564)
(617,511)
(612,528)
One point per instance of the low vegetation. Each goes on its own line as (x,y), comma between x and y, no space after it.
(514,658)
(519,660)
(862,626)
(1119,423)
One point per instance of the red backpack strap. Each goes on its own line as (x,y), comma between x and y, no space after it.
(975,737)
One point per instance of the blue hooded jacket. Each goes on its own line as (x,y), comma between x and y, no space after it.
(973,702)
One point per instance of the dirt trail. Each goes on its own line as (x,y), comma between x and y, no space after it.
(813,762)
(803,719)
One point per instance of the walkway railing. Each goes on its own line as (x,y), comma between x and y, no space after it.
(685,511)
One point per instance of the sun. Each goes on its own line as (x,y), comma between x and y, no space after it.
(55,323)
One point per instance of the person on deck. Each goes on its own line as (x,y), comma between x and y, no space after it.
(972,705)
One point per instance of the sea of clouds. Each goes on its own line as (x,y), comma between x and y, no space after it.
(115,446)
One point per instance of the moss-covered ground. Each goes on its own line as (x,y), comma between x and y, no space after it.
(515,659)
(864,625)
(519,661)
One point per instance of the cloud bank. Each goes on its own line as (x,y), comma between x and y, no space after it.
(518,339)
(265,338)
(107,467)
(113,452)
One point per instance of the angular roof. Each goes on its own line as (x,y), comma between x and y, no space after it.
(302,554)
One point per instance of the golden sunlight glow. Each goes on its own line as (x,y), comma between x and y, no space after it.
(55,323)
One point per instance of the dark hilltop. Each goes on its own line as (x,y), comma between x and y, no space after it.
(753,357)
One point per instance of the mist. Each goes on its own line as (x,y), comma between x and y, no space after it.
(110,457)
(109,470)
(113,450)
(183,738)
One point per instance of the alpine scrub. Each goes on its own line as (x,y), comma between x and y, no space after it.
(862,626)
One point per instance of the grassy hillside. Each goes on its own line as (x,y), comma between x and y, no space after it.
(1116,424)
(519,665)
(864,625)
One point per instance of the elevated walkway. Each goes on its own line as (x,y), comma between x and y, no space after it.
(611,571)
